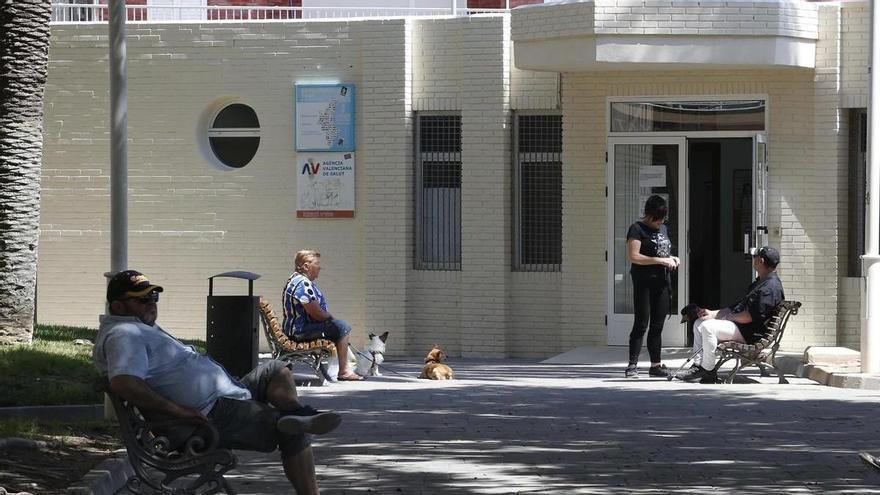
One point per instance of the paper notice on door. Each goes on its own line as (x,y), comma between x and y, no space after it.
(652,176)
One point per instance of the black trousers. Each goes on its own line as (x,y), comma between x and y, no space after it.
(651,307)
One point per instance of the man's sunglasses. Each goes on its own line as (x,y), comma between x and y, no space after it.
(151,297)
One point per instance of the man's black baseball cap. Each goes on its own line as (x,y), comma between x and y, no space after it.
(769,254)
(130,283)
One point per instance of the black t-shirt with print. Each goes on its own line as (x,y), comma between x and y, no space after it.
(655,243)
(760,301)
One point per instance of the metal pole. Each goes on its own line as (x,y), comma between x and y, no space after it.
(118,140)
(118,150)
(870,341)
(454,7)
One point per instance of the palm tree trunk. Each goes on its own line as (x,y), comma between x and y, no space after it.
(24,61)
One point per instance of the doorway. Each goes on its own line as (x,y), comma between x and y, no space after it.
(709,158)
(639,167)
(715,188)
(720,194)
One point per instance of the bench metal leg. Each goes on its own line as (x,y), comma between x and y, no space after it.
(227,487)
(779,373)
(732,374)
(321,370)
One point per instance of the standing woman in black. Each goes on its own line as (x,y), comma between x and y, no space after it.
(650,252)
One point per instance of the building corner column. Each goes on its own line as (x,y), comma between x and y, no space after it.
(870,338)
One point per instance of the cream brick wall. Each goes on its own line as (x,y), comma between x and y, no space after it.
(802,205)
(189,220)
(584,131)
(855,46)
(386,249)
(485,199)
(433,297)
(849,334)
(676,17)
(465,65)
(573,19)
(531,90)
(436,64)
(823,258)
(854,37)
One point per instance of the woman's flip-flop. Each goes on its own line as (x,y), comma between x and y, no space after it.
(350,377)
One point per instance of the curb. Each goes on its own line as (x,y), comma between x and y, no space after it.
(841,377)
(107,478)
(89,411)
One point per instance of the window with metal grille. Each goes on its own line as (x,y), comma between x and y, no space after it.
(537,192)
(438,192)
(858,153)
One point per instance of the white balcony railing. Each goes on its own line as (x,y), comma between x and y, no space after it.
(98,13)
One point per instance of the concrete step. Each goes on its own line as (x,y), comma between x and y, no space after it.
(832,356)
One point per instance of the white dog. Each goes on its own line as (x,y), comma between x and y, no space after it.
(369,359)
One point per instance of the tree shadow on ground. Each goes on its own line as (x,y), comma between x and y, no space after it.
(522,427)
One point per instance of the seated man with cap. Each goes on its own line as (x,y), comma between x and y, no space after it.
(165,377)
(745,321)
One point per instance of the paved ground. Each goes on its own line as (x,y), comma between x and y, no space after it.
(522,427)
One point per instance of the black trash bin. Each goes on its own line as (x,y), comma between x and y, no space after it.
(233,326)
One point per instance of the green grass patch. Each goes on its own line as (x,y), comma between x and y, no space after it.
(50,371)
(53,370)
(35,429)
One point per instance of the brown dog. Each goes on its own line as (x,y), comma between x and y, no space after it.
(434,368)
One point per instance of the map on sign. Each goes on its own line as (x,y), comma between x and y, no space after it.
(324,117)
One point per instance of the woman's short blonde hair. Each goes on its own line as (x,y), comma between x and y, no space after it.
(303,257)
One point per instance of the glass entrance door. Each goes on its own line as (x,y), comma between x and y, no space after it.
(637,168)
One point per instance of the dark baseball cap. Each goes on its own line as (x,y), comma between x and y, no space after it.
(130,283)
(770,255)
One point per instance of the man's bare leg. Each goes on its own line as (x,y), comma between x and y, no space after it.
(281,391)
(342,354)
(300,470)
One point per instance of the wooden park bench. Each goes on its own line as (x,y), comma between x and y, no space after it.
(170,457)
(763,352)
(314,353)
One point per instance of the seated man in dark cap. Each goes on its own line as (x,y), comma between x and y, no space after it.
(745,321)
(161,375)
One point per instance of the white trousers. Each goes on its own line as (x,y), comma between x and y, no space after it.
(707,334)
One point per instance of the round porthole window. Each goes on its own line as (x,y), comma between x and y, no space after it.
(234,135)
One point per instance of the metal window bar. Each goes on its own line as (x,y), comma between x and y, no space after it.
(438,192)
(537,192)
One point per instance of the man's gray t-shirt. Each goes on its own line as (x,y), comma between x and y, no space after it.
(127,346)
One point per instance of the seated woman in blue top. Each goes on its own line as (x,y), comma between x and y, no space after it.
(305,311)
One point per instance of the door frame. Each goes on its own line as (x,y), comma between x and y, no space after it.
(615,322)
(673,337)
(760,187)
